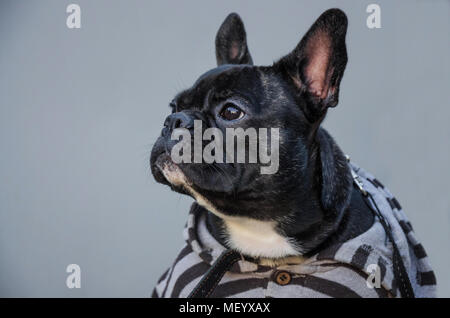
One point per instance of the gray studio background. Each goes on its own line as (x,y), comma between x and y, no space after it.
(80,109)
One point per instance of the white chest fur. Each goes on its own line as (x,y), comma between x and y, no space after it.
(248,236)
(257,238)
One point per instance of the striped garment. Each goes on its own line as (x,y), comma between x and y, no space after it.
(340,270)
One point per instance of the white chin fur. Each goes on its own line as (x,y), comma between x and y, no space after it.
(173,174)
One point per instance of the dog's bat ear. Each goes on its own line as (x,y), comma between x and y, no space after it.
(231,42)
(315,67)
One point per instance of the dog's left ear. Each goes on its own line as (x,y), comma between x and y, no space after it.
(315,67)
(231,42)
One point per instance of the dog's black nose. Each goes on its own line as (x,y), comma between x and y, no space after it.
(179,120)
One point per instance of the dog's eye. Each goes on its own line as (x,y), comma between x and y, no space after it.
(231,112)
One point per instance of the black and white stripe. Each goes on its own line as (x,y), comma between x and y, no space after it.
(341,270)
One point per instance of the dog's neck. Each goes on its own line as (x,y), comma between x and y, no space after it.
(356,219)
(332,210)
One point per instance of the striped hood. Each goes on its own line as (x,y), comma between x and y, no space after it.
(341,270)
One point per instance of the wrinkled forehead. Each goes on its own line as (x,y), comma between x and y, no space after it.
(220,81)
(215,72)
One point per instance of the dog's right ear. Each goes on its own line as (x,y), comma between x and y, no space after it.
(315,67)
(231,42)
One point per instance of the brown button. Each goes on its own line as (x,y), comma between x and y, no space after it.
(283,278)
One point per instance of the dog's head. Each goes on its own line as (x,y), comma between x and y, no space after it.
(292,95)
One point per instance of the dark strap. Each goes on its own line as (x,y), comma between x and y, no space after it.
(400,273)
(213,276)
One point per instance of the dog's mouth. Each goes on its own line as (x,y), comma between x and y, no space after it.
(209,190)
(166,171)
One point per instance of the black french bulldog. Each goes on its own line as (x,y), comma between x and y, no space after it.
(302,205)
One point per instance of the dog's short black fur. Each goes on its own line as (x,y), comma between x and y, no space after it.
(311,197)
